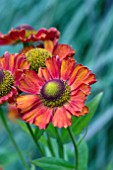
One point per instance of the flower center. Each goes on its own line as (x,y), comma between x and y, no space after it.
(6,82)
(55,93)
(36,57)
(28,33)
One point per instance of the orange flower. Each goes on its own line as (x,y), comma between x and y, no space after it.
(10,67)
(26,33)
(56,94)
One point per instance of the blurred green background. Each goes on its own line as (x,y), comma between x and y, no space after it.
(86,25)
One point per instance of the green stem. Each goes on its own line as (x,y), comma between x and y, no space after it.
(13,141)
(60,144)
(75,146)
(50,145)
(35,140)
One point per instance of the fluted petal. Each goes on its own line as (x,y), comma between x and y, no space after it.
(61,118)
(53,66)
(63,51)
(30,82)
(43,117)
(67,66)
(80,77)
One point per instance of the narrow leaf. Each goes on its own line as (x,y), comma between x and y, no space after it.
(52,163)
(82,156)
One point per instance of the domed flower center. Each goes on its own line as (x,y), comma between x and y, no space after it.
(6,82)
(55,93)
(28,33)
(36,57)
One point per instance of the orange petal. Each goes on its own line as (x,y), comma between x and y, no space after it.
(84,88)
(84,111)
(25,103)
(30,82)
(49,45)
(67,67)
(90,79)
(74,73)
(78,96)
(44,73)
(63,51)
(53,66)
(43,117)
(61,118)
(31,115)
(72,110)
(80,77)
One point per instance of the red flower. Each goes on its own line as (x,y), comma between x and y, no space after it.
(26,33)
(10,66)
(55,94)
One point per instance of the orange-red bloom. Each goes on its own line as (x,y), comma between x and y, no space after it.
(10,66)
(55,94)
(26,33)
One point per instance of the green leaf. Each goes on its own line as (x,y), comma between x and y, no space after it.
(52,164)
(38,133)
(33,167)
(82,156)
(78,124)
(23,125)
(51,130)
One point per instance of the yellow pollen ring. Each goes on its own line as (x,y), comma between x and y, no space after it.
(36,57)
(6,84)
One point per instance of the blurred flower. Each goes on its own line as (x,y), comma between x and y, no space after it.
(26,33)
(12,111)
(55,94)
(10,64)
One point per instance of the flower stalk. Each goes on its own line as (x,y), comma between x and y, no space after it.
(60,144)
(34,139)
(75,146)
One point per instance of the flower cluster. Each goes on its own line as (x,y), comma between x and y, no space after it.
(43,83)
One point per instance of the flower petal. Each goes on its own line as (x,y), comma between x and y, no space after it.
(74,73)
(30,82)
(49,45)
(44,73)
(67,66)
(25,103)
(43,117)
(10,96)
(80,77)
(50,34)
(53,66)
(63,51)
(84,88)
(61,118)
(90,79)
(83,112)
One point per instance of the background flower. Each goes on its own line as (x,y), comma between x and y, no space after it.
(26,33)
